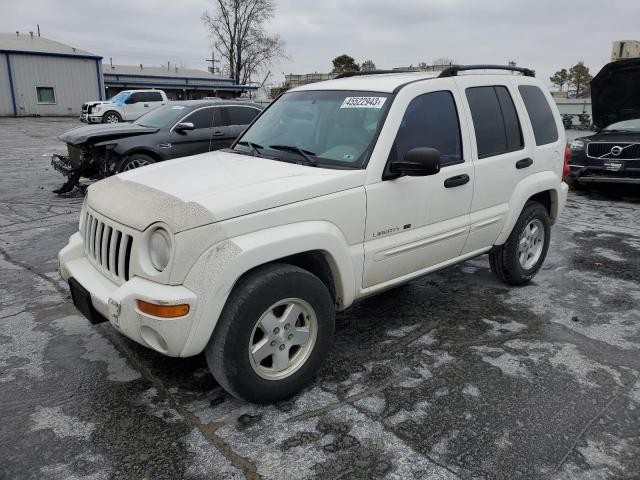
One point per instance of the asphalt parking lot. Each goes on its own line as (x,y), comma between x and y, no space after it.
(451,376)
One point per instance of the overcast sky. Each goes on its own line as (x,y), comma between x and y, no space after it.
(541,34)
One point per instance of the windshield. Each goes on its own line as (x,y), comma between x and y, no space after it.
(626,125)
(120,97)
(333,128)
(162,116)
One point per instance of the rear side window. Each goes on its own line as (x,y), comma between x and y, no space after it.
(542,121)
(495,121)
(431,120)
(153,96)
(241,115)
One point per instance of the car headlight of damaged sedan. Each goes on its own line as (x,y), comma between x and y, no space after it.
(577,145)
(159,248)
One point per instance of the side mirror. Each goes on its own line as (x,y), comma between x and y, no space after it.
(418,162)
(183,126)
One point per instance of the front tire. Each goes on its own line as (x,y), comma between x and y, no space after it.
(136,160)
(519,259)
(273,335)
(111,117)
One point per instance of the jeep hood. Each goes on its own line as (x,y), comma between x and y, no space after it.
(99,132)
(211,187)
(615,95)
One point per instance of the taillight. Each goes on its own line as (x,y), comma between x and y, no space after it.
(565,167)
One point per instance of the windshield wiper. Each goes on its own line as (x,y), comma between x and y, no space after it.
(303,153)
(253,146)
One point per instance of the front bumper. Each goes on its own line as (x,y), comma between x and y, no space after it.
(118,303)
(599,174)
(62,164)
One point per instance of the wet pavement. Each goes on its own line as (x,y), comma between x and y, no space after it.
(454,375)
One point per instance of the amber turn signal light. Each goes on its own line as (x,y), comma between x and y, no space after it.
(163,311)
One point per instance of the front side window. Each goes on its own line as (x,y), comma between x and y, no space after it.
(121,97)
(542,120)
(46,95)
(431,120)
(334,127)
(202,118)
(495,120)
(241,115)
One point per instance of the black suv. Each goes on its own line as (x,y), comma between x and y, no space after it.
(612,155)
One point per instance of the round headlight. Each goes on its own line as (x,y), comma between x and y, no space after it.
(160,249)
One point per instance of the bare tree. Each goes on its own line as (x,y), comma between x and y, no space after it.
(237,28)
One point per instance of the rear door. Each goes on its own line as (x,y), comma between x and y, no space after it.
(236,120)
(192,142)
(153,99)
(500,154)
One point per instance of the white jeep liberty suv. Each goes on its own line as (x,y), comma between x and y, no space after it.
(337,191)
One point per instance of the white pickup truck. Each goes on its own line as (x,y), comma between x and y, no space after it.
(125,106)
(337,191)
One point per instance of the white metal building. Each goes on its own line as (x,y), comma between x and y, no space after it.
(42,77)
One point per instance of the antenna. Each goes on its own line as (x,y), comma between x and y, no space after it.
(38,25)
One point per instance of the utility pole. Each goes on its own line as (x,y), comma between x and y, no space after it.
(213,61)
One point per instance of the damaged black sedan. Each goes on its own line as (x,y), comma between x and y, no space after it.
(171,131)
(612,155)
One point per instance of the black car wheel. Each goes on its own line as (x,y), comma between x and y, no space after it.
(274,332)
(519,259)
(136,160)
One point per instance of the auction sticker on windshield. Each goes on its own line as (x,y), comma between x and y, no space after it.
(363,102)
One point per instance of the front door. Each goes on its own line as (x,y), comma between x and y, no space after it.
(198,140)
(414,223)
(134,106)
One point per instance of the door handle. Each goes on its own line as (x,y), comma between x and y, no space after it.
(218,133)
(524,163)
(456,181)
(146,104)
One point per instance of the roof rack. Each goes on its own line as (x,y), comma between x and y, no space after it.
(370,72)
(453,70)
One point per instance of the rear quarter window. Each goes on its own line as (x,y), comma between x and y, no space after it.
(540,114)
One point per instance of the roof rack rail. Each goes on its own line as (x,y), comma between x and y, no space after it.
(453,70)
(369,72)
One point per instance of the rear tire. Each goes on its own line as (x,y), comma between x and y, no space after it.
(519,259)
(134,161)
(258,350)
(111,117)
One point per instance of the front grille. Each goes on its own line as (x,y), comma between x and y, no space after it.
(108,248)
(630,151)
